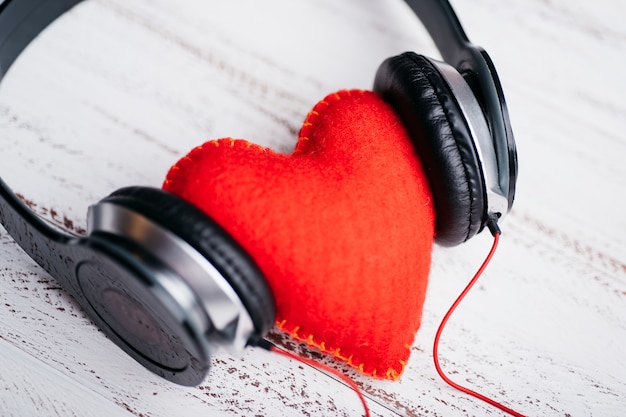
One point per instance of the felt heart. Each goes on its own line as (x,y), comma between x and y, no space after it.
(342,228)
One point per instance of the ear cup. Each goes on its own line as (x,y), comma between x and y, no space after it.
(211,241)
(443,142)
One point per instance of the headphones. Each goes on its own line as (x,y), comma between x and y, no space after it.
(169,286)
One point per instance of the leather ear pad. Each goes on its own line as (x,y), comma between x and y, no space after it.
(210,240)
(443,142)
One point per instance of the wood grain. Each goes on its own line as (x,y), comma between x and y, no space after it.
(116,91)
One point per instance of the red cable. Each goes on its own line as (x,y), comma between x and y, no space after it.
(326,368)
(488,400)
(267,345)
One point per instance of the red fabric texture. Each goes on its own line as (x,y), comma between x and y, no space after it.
(342,228)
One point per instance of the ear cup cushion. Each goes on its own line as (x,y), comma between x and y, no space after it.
(443,142)
(211,241)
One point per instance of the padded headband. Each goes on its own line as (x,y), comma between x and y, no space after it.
(22,20)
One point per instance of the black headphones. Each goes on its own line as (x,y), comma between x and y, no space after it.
(169,285)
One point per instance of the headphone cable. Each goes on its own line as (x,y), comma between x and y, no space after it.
(495,231)
(267,345)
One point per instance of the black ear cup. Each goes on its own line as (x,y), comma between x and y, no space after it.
(211,241)
(443,142)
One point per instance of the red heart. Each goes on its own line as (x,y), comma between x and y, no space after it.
(342,228)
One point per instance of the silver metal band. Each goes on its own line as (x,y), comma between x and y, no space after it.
(231,323)
(497,201)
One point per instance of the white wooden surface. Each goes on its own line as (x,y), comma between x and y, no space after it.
(118,90)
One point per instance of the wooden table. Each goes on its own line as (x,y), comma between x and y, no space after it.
(118,90)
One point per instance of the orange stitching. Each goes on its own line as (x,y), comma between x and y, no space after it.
(337,354)
(390,374)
